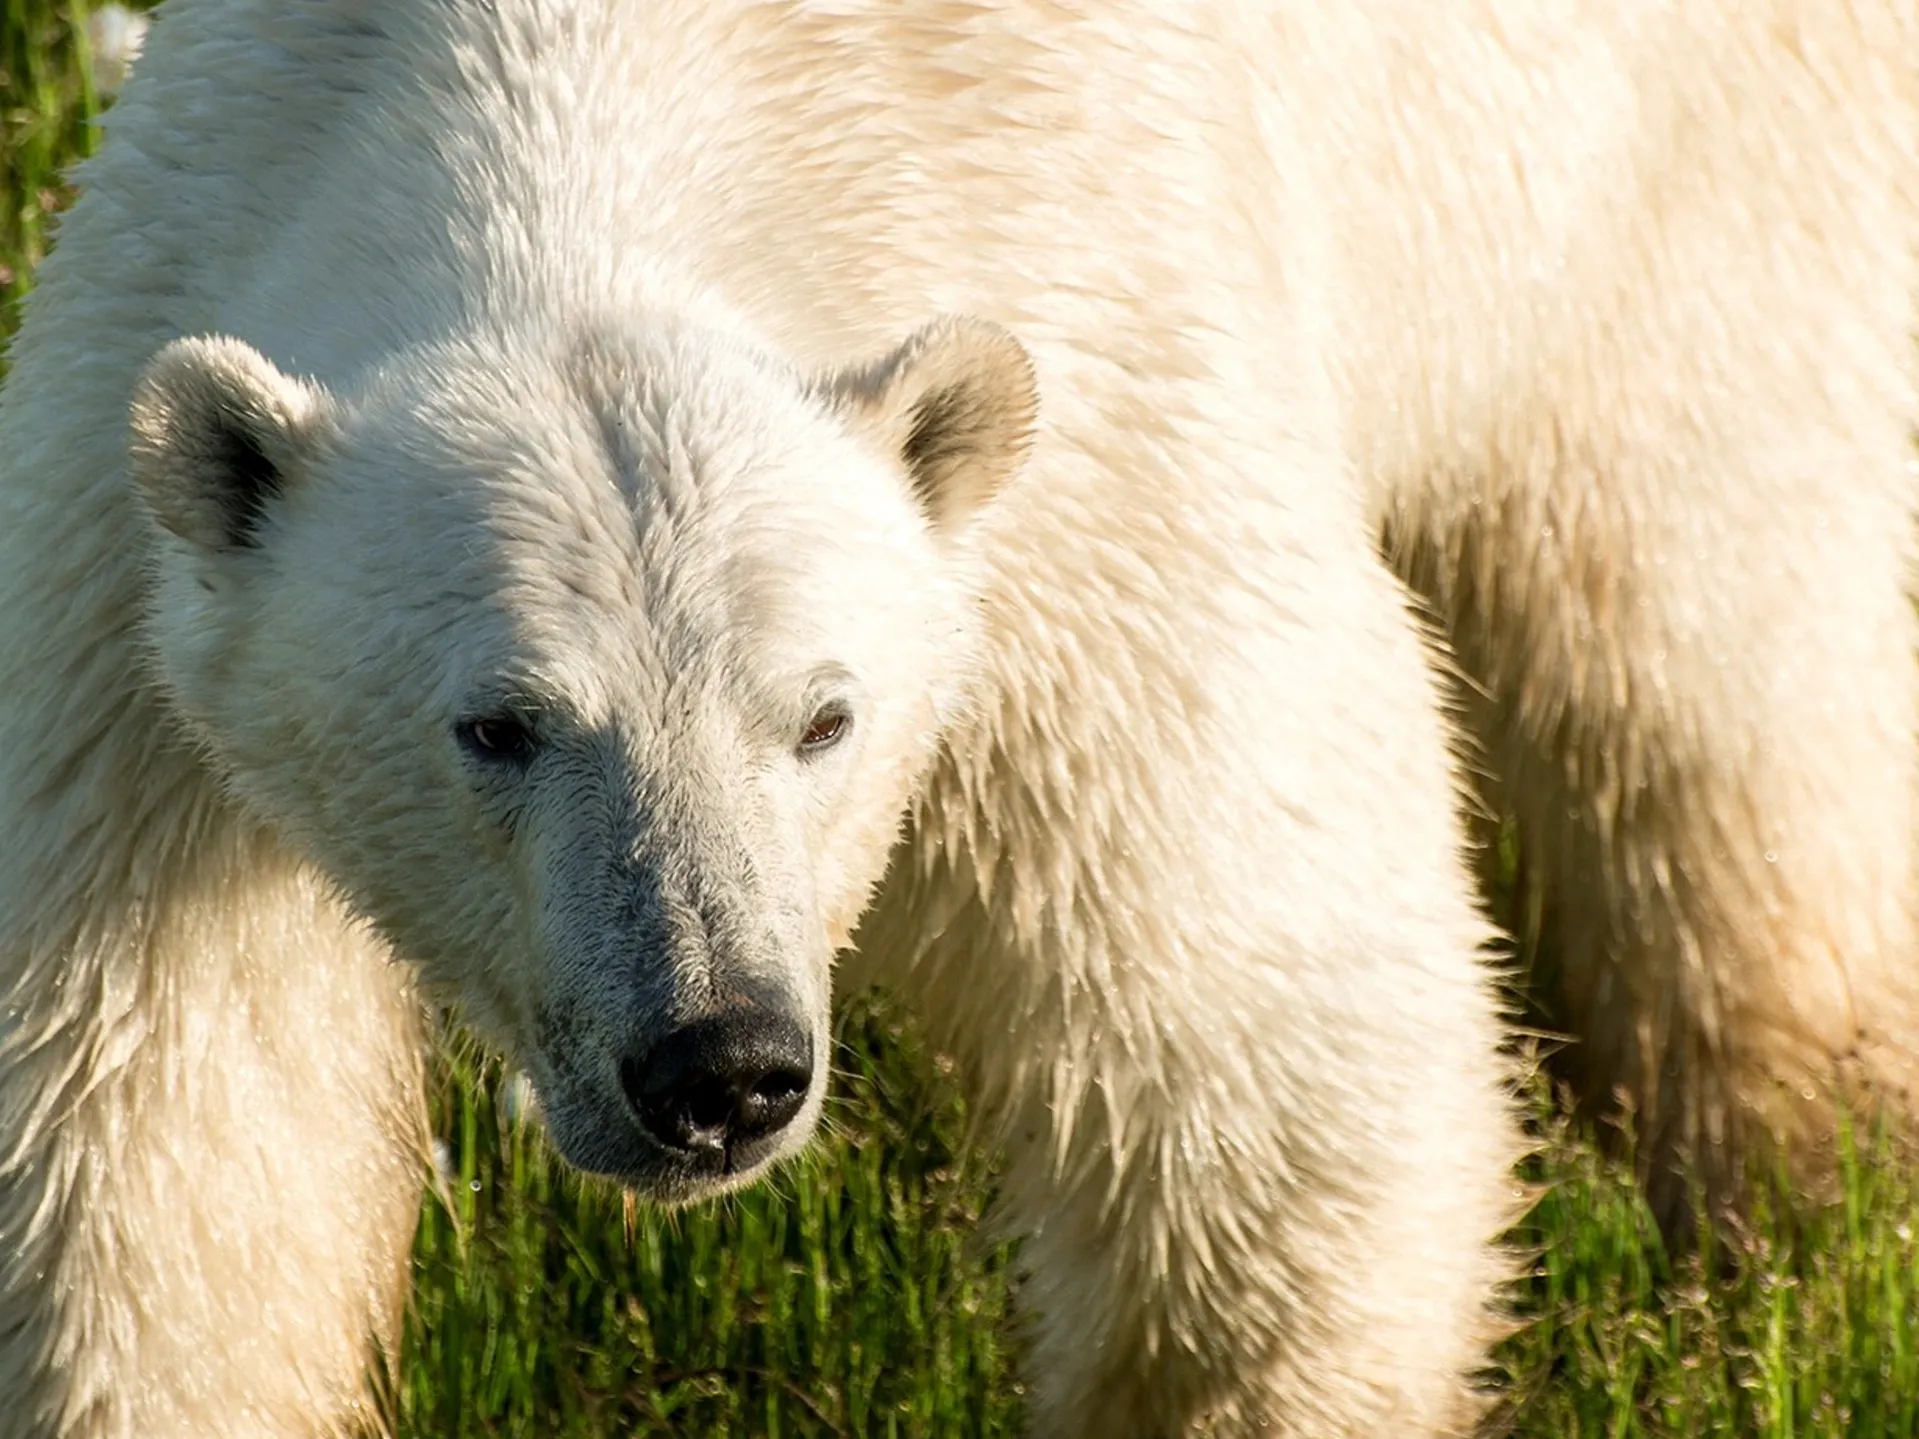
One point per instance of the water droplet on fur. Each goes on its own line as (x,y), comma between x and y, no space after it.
(116,35)
(517,1097)
(1772,856)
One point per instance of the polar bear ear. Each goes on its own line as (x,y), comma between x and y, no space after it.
(957,402)
(218,434)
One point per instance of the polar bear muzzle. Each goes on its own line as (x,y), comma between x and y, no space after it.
(718,1089)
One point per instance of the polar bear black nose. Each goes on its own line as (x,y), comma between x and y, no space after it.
(721,1083)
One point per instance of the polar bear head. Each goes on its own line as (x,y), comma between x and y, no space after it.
(597,672)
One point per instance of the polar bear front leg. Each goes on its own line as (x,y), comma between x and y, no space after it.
(213,1153)
(1211,967)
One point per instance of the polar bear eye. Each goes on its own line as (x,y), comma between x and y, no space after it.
(825,729)
(497,739)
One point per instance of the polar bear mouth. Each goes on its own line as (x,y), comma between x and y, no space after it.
(707,1108)
(596,1138)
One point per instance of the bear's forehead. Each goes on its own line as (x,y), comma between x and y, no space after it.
(706,447)
(596,526)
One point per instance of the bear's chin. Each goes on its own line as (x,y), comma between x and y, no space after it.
(600,1137)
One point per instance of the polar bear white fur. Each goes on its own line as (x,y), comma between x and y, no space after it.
(492,484)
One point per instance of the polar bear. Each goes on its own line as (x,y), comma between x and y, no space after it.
(613,505)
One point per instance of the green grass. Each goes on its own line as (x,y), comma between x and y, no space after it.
(850,1296)
(845,1297)
(46,96)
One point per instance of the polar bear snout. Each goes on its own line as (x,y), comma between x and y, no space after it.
(719,1089)
(682,1109)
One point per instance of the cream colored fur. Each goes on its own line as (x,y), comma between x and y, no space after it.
(1597,313)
